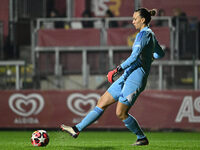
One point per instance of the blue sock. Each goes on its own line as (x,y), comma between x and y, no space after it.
(132,124)
(90,118)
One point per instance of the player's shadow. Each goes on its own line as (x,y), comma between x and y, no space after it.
(181,147)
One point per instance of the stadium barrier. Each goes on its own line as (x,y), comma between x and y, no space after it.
(110,50)
(154,109)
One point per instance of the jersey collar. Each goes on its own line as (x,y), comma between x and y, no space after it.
(145,28)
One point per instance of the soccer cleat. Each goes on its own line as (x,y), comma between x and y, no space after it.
(69,130)
(141,142)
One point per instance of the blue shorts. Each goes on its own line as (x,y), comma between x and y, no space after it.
(127,91)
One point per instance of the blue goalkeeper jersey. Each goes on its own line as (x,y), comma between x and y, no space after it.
(144,50)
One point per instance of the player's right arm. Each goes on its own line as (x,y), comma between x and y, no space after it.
(141,41)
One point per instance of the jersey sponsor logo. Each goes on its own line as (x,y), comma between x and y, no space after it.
(81,104)
(137,46)
(189,110)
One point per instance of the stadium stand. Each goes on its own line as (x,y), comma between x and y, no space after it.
(191,8)
(65,46)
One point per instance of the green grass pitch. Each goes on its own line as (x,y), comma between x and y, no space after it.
(102,140)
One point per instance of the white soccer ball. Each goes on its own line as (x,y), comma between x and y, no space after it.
(39,138)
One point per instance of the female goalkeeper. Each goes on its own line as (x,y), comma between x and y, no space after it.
(132,82)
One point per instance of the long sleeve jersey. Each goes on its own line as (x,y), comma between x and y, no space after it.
(144,50)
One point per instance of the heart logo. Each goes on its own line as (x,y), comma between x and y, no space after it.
(79,103)
(26,105)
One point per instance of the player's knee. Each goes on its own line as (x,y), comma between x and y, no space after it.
(121,114)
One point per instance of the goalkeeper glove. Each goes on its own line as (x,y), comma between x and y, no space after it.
(113,73)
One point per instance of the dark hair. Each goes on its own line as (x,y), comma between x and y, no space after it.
(87,13)
(109,13)
(145,13)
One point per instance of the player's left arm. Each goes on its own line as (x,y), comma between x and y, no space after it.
(158,51)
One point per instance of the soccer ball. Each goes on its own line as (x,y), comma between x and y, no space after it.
(39,138)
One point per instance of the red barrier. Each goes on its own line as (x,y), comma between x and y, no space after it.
(49,109)
(91,37)
(71,37)
(119,36)
(124,36)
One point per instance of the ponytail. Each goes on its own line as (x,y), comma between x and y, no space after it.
(153,12)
